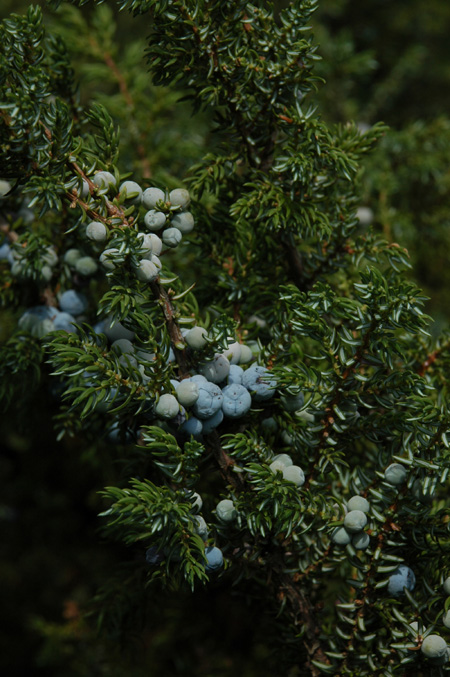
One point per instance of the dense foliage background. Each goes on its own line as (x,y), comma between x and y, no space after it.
(382,61)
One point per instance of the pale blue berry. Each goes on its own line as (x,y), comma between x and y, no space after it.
(5,250)
(216,370)
(116,330)
(257,380)
(50,257)
(146,271)
(64,321)
(277,466)
(402,577)
(236,401)
(214,559)
(192,427)
(146,248)
(235,375)
(195,499)
(211,423)
(209,400)
(284,459)
(73,302)
(122,346)
(198,378)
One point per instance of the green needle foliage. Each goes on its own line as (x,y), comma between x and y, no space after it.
(279,273)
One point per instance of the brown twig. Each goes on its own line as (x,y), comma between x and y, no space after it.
(336,398)
(225,462)
(431,358)
(177,340)
(124,90)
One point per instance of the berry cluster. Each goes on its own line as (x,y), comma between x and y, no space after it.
(355,521)
(161,212)
(41,320)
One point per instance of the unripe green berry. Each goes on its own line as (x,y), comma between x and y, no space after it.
(107,258)
(340,536)
(395,474)
(246,355)
(167,406)
(361,541)
(226,511)
(196,501)
(184,221)
(46,273)
(187,393)
(156,244)
(233,352)
(71,257)
(171,237)
(277,466)
(285,459)
(201,528)
(42,328)
(434,646)
(145,242)
(293,473)
(358,503)
(293,402)
(5,187)
(151,196)
(196,338)
(86,266)
(131,192)
(50,257)
(104,180)
(146,271)
(96,231)
(154,220)
(355,521)
(179,198)
(446,586)
(446,619)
